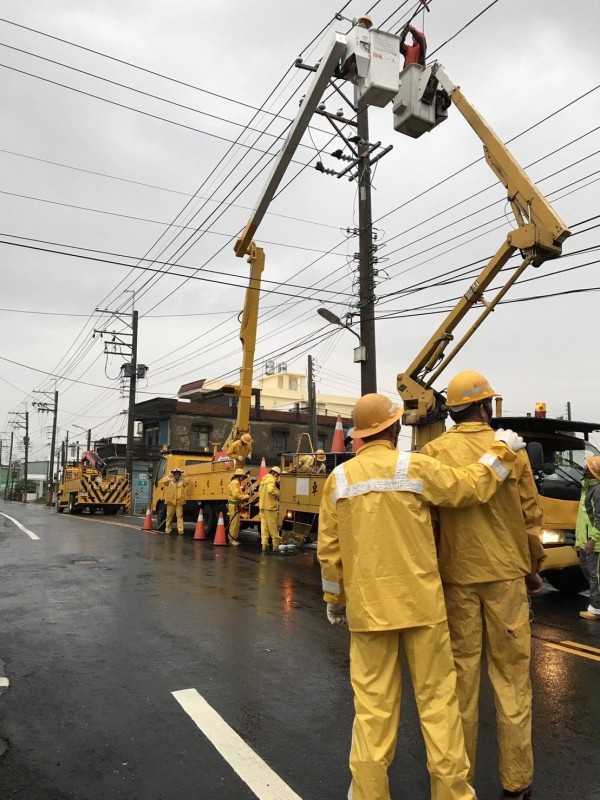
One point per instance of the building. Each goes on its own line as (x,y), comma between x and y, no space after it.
(204,424)
(280,390)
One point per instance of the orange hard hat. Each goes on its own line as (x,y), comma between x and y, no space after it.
(372,414)
(468,387)
(593,464)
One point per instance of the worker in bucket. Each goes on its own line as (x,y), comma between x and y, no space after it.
(175,494)
(241,449)
(379,570)
(236,501)
(413,53)
(268,503)
(489,557)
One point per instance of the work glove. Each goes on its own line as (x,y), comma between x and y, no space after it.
(336,613)
(510,439)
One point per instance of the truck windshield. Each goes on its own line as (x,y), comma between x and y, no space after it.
(569,461)
(159,470)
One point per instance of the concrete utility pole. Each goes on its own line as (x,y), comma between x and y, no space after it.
(312,405)
(10,452)
(368,368)
(24,415)
(131,409)
(54,410)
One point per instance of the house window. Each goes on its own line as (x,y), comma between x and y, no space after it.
(293,384)
(200,436)
(151,435)
(280,441)
(321,441)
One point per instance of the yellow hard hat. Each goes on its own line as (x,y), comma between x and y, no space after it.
(176,469)
(593,464)
(468,387)
(372,414)
(320,455)
(246,438)
(276,470)
(239,473)
(366,19)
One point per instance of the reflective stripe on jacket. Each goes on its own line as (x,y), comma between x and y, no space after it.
(376,545)
(487,542)
(268,494)
(588,515)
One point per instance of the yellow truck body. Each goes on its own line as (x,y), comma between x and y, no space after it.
(82,488)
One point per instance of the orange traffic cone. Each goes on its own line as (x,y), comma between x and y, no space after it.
(220,535)
(262,471)
(337,445)
(356,445)
(200,533)
(147,526)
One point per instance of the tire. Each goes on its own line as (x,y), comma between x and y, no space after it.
(161,517)
(93,509)
(73,507)
(569,580)
(110,511)
(210,519)
(59,508)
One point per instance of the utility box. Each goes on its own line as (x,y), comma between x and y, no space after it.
(372,62)
(412,116)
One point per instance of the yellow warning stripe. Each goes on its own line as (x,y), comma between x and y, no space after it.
(572,652)
(582,647)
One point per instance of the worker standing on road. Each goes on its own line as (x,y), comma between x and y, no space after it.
(489,556)
(587,533)
(236,500)
(377,554)
(175,496)
(241,449)
(413,53)
(268,503)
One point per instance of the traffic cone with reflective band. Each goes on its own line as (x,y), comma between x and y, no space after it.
(262,471)
(200,533)
(147,526)
(220,535)
(356,445)
(337,445)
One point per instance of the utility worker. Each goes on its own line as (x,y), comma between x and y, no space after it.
(268,503)
(377,554)
(587,533)
(175,495)
(488,557)
(413,53)
(241,449)
(314,464)
(236,501)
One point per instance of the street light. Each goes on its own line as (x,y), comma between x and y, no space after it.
(360,353)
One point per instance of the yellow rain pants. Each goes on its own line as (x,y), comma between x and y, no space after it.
(269,527)
(376,677)
(502,607)
(174,510)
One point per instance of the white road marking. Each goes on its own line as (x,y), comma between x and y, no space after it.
(261,779)
(3,681)
(29,533)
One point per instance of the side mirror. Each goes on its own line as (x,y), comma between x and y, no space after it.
(535,452)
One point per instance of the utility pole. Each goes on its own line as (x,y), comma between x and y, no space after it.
(312,404)
(368,368)
(10,452)
(131,409)
(24,415)
(568,410)
(44,406)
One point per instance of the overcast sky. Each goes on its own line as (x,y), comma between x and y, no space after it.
(81,176)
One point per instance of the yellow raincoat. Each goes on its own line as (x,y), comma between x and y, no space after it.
(235,499)
(484,553)
(175,495)
(268,502)
(377,553)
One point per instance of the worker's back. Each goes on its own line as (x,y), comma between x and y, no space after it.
(486,542)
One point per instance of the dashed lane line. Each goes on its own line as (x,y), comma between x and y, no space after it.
(4,681)
(257,775)
(29,533)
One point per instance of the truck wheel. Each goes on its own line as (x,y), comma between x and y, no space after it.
(210,519)
(59,508)
(161,517)
(73,507)
(110,511)
(569,580)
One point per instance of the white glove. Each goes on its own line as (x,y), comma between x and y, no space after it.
(336,613)
(510,439)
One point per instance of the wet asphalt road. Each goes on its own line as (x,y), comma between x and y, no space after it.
(100,623)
